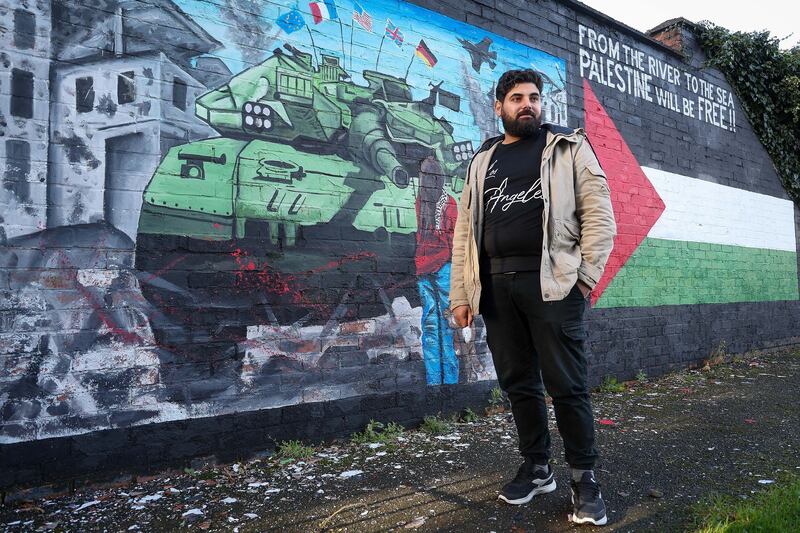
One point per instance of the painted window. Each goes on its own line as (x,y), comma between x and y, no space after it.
(84,94)
(21,93)
(18,166)
(294,85)
(126,87)
(24,29)
(179,93)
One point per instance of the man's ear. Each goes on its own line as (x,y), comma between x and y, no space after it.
(497,108)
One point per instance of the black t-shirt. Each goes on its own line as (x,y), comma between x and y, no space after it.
(512,207)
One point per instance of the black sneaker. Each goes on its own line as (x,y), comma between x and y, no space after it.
(527,484)
(587,502)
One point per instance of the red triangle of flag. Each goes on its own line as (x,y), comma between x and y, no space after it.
(637,205)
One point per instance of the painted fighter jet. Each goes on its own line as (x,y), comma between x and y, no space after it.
(479,52)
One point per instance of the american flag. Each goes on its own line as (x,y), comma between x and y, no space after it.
(361,16)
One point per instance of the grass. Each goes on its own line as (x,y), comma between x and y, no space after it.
(294,450)
(777,509)
(433,425)
(377,432)
(610,384)
(641,376)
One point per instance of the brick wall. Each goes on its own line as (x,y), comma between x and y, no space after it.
(213,235)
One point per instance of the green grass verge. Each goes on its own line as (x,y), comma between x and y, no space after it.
(775,510)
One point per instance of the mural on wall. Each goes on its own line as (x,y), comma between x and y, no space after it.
(194,223)
(681,240)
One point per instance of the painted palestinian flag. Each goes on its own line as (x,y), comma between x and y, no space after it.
(683,240)
(322,11)
(425,54)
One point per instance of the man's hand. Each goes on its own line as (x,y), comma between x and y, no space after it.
(584,288)
(463,316)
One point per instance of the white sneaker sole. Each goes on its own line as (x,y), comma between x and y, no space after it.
(544,489)
(599,522)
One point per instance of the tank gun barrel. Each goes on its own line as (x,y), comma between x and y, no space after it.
(366,135)
(219,160)
(382,155)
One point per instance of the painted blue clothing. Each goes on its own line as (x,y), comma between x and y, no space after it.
(441,364)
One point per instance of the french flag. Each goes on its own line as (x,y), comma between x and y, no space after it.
(324,10)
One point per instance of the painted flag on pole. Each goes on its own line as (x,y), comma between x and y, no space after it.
(361,16)
(425,54)
(323,10)
(394,33)
(292,21)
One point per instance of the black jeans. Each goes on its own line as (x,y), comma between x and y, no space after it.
(538,345)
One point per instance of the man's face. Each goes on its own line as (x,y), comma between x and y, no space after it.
(521,110)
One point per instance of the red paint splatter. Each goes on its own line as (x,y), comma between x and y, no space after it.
(607,422)
(339,262)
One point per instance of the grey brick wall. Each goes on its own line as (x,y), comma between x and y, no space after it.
(131,343)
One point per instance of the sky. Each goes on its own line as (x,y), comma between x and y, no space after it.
(373,51)
(781,18)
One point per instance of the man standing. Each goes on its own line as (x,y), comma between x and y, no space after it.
(535,228)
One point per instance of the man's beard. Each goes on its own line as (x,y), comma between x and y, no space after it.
(518,127)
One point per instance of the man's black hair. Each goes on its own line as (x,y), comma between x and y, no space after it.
(510,78)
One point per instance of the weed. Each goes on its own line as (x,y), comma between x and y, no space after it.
(717,356)
(692,378)
(641,376)
(496,398)
(293,450)
(433,425)
(377,432)
(469,416)
(610,384)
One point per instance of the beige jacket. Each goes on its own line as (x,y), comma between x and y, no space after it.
(577,217)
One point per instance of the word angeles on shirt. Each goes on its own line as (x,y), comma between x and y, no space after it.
(496,195)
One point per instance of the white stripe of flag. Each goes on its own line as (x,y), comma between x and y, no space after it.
(702,211)
(321,11)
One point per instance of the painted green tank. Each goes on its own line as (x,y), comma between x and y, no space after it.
(297,143)
(312,173)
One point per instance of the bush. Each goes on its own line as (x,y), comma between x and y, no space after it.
(766,80)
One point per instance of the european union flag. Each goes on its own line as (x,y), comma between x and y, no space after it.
(292,21)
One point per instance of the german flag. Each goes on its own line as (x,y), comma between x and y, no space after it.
(425,54)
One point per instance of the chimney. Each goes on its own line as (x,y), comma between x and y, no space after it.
(674,33)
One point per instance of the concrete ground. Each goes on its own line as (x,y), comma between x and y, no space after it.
(733,428)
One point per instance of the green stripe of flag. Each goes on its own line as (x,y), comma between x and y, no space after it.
(667,272)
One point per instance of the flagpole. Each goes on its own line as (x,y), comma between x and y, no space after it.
(350,56)
(379,50)
(409,64)
(341,34)
(314,46)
